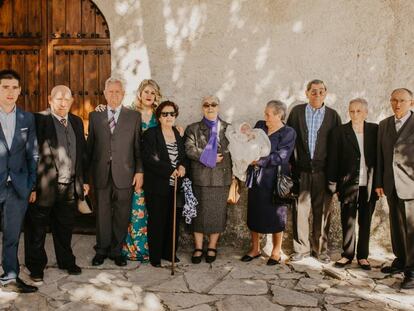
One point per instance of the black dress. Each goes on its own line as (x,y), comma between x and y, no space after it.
(263,214)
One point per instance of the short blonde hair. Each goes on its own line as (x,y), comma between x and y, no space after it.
(141,87)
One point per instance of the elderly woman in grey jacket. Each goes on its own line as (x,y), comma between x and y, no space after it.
(207,148)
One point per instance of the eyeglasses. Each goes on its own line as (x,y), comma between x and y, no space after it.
(213,105)
(166,114)
(316,92)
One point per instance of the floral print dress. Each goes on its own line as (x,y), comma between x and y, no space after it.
(135,246)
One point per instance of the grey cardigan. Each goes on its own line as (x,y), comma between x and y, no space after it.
(196,138)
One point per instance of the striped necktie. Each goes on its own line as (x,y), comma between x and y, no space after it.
(398,124)
(112,121)
(64,122)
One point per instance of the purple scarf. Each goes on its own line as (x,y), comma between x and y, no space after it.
(209,155)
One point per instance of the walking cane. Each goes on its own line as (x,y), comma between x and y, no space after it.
(174,222)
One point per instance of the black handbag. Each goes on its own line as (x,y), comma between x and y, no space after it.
(284,185)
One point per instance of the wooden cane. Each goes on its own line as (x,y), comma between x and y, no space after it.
(174,222)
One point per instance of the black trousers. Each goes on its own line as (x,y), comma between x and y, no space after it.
(402,232)
(349,212)
(160,225)
(61,217)
(113,213)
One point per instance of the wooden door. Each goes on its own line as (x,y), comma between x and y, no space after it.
(51,42)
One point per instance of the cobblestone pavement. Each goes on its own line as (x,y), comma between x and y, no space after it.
(228,284)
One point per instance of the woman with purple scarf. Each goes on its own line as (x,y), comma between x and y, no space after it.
(207,147)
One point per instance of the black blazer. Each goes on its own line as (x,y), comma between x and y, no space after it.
(157,164)
(301,160)
(46,186)
(344,161)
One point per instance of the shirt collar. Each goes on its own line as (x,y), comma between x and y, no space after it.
(117,109)
(11,112)
(59,117)
(404,118)
(310,108)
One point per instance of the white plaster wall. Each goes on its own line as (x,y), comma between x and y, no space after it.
(249,52)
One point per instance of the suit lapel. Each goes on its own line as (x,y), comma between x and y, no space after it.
(351,136)
(367,138)
(406,130)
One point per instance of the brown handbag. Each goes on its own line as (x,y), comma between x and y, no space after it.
(234,194)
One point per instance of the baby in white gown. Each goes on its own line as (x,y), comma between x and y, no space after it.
(246,145)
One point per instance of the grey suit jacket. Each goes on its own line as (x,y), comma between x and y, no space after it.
(196,139)
(20,160)
(395,160)
(123,146)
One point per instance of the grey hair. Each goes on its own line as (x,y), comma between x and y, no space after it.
(278,107)
(403,89)
(360,100)
(113,79)
(214,97)
(315,81)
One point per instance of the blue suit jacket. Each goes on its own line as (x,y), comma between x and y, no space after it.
(20,161)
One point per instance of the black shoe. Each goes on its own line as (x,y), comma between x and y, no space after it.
(247,258)
(98,260)
(74,270)
(339,264)
(120,261)
(20,287)
(36,277)
(407,283)
(211,259)
(156,264)
(365,266)
(324,258)
(391,269)
(273,262)
(197,259)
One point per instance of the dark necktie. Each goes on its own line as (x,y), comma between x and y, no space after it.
(64,122)
(112,122)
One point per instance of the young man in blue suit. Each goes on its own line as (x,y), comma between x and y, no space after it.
(18,162)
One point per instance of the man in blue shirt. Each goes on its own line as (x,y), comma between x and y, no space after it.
(18,163)
(312,122)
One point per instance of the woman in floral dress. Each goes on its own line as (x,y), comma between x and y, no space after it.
(136,244)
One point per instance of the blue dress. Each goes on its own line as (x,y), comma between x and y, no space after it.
(263,214)
(135,246)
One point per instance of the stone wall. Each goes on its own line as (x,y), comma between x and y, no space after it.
(248,52)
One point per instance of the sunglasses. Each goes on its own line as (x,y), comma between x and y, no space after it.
(166,114)
(213,105)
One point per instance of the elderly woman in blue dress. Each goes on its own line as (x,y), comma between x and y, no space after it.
(265,213)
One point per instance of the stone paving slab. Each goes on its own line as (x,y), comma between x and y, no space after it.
(226,285)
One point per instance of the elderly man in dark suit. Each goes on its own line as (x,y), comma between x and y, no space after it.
(18,162)
(395,179)
(312,122)
(352,160)
(114,143)
(62,180)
